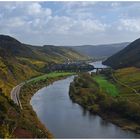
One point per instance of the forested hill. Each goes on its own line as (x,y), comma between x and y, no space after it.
(20,61)
(129,56)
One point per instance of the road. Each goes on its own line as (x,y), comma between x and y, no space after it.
(15,94)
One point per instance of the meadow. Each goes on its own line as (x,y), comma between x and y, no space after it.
(106,86)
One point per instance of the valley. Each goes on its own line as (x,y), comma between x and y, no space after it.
(34,79)
(69,69)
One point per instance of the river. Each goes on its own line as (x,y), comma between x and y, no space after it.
(66,119)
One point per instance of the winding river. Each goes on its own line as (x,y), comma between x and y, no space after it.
(66,119)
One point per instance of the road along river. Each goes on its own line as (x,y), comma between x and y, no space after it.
(66,119)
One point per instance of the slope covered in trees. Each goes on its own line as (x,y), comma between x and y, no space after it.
(129,56)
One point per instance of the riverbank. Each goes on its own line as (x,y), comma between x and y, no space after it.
(87,92)
(30,119)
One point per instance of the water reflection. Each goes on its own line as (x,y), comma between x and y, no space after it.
(104,122)
(66,119)
(84,111)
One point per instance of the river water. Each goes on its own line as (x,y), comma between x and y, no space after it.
(66,119)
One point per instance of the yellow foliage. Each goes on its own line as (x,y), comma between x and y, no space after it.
(5,133)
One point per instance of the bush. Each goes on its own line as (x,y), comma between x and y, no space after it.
(94,108)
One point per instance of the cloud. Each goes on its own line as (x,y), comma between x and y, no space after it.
(79,4)
(34,19)
(70,22)
(115,4)
(79,10)
(67,25)
(132,25)
(35,9)
(15,22)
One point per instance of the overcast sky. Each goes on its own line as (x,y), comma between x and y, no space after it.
(70,23)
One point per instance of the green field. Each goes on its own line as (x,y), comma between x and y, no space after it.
(50,75)
(106,86)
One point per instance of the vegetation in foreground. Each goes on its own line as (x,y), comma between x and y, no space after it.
(9,115)
(31,87)
(92,92)
(17,123)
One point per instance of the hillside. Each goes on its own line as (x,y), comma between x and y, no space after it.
(50,53)
(20,61)
(129,56)
(100,50)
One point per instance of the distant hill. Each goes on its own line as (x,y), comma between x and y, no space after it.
(129,56)
(51,53)
(20,61)
(100,50)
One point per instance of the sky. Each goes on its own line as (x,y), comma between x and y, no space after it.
(70,23)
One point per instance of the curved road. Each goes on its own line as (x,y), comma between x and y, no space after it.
(15,94)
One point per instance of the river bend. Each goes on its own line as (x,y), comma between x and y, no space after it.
(66,119)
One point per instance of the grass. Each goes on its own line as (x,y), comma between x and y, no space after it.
(107,86)
(50,75)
